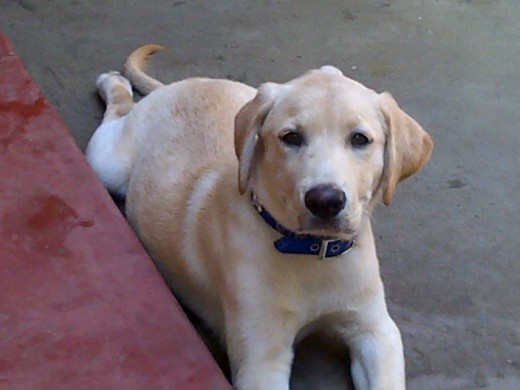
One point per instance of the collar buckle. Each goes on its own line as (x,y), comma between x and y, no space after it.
(324,247)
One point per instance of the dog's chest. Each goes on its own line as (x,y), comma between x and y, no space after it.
(316,287)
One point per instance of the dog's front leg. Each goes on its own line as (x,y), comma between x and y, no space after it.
(377,358)
(376,351)
(260,350)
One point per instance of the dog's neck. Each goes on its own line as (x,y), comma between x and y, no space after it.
(302,244)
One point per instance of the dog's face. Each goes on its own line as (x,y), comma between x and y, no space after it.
(320,149)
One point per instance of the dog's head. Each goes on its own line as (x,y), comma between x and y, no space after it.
(321,149)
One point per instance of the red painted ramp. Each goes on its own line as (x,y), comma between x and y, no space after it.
(81,304)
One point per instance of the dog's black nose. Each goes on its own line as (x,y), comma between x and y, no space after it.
(325,200)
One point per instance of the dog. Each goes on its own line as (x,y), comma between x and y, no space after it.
(255,206)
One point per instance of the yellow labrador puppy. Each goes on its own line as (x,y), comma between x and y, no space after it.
(256,205)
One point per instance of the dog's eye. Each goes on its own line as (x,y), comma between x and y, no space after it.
(359,140)
(293,138)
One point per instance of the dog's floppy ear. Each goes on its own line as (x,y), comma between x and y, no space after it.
(248,123)
(408,147)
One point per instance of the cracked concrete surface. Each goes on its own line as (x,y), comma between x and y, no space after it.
(450,244)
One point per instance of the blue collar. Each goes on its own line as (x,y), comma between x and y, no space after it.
(293,243)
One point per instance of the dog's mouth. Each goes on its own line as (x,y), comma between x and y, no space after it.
(332,228)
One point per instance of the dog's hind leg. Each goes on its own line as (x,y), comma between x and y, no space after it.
(116,91)
(106,152)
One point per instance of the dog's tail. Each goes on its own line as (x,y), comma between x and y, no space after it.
(134,69)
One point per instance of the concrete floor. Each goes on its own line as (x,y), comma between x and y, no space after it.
(450,244)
